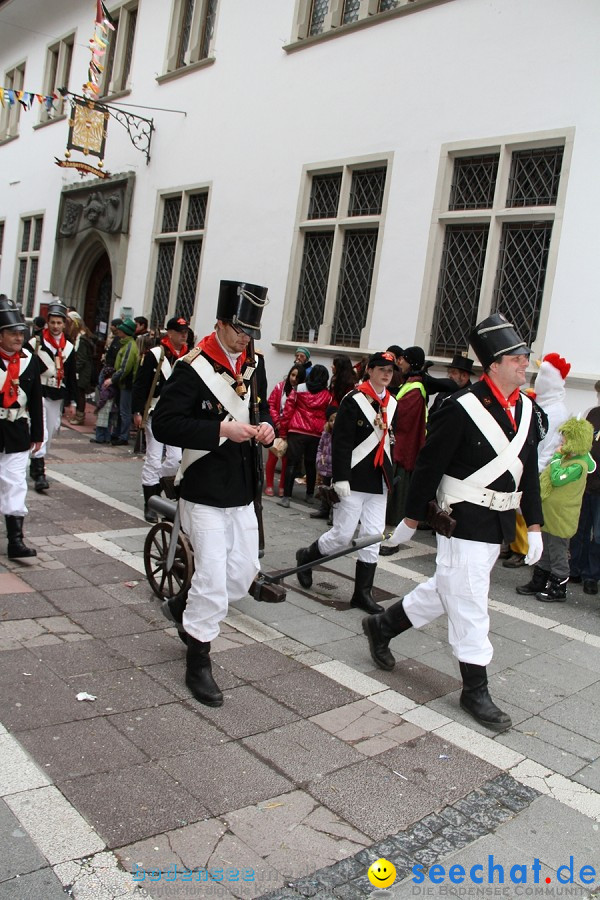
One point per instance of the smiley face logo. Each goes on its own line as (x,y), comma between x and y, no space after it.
(382,873)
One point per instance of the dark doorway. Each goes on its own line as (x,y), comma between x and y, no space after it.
(98,297)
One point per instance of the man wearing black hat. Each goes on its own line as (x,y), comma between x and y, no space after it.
(161,460)
(57,361)
(460,371)
(480,463)
(21,423)
(215,407)
(362,475)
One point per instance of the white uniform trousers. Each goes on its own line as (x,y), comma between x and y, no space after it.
(369,510)
(155,466)
(52,417)
(459,588)
(225,545)
(13,483)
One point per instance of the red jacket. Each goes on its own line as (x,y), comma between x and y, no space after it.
(304,412)
(276,405)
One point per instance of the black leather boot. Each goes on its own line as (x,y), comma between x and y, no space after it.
(172,609)
(362,598)
(322,512)
(538,581)
(555,591)
(37,470)
(381,629)
(475,698)
(306,555)
(198,673)
(14,533)
(150,490)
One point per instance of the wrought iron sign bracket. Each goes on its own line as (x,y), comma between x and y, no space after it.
(138,128)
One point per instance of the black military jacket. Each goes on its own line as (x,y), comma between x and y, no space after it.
(145,376)
(455,446)
(350,430)
(188,415)
(68,388)
(17,436)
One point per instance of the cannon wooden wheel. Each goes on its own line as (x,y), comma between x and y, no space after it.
(173,584)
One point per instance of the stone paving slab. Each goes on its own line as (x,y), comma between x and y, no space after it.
(307,692)
(42,883)
(168,730)
(18,853)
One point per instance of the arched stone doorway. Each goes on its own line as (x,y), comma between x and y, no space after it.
(98,298)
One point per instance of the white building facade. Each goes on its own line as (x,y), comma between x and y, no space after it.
(392,170)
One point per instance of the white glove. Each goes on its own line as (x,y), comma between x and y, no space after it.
(342,489)
(401,535)
(535,548)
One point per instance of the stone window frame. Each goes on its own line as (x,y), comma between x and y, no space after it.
(14,79)
(180,237)
(338,225)
(116,80)
(59,56)
(497,216)
(200,46)
(28,257)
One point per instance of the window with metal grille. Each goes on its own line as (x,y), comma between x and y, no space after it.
(459,287)
(366,193)
(325,196)
(351,11)
(14,79)
(356,273)
(387,4)
(474,182)
(520,276)
(27,262)
(119,54)
(534,177)
(183,218)
(192,32)
(332,301)
(471,285)
(319,10)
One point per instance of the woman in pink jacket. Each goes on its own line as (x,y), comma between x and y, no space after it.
(277,401)
(302,424)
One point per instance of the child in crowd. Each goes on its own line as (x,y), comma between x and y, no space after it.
(324,467)
(562,485)
(277,399)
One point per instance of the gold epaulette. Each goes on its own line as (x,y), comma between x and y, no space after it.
(258,352)
(192,355)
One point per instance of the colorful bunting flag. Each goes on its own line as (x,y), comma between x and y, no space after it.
(26,98)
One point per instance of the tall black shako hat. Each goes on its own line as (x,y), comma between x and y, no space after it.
(242,304)
(496,337)
(57,309)
(10,315)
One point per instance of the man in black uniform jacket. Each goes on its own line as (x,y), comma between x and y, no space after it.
(21,422)
(480,461)
(205,409)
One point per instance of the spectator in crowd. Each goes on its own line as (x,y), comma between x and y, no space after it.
(343,379)
(460,371)
(409,435)
(302,425)
(562,484)
(585,544)
(550,395)
(83,342)
(126,365)
(38,325)
(113,343)
(143,338)
(277,400)
(325,467)
(397,377)
(302,356)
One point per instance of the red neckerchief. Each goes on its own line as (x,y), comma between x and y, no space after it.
(10,389)
(166,342)
(59,346)
(505,402)
(212,348)
(367,388)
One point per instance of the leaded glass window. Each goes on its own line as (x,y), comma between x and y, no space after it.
(387,4)
(314,277)
(128,51)
(325,196)
(196,212)
(37,234)
(209,27)
(22,280)
(26,234)
(172,208)
(188,279)
(186,27)
(162,283)
(351,10)
(366,194)
(534,177)
(319,10)
(356,274)
(521,272)
(474,182)
(459,287)
(33,271)
(28,262)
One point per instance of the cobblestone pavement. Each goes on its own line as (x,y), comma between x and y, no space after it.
(316,766)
